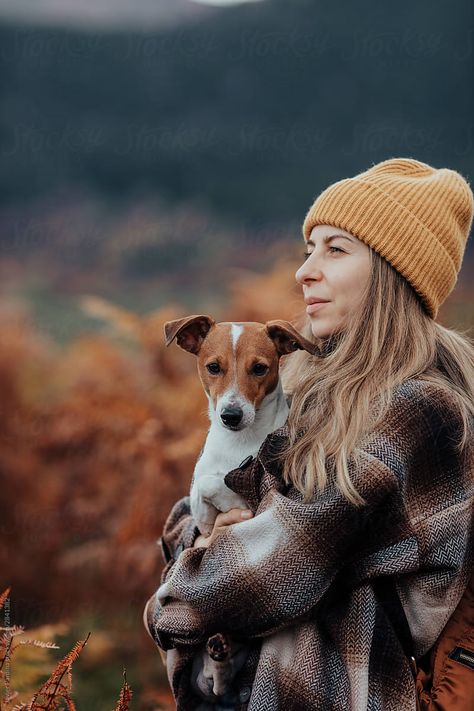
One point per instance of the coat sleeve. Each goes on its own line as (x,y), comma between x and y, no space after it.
(263,574)
(179,532)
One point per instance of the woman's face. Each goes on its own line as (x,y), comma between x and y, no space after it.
(336,273)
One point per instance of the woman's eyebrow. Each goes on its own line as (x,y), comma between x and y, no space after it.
(329,238)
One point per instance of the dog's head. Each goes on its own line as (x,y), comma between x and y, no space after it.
(238,363)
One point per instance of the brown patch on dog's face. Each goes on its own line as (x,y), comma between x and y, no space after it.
(244,360)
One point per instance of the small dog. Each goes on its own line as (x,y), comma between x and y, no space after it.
(238,364)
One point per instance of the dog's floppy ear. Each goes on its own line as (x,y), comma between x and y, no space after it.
(287,339)
(189,331)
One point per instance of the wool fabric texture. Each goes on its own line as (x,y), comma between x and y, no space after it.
(415,216)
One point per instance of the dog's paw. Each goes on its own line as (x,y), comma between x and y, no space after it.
(218,647)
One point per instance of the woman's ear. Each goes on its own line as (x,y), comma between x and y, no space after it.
(287,339)
(189,331)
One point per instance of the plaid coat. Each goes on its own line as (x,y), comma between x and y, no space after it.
(296,580)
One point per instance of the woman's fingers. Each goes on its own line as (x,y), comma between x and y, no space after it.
(232,516)
(223,519)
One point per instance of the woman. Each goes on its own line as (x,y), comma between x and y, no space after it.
(369,481)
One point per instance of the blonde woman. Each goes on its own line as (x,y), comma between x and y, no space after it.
(369,483)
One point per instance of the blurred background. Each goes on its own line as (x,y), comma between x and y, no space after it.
(157,160)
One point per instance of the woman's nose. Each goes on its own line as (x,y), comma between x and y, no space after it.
(308,271)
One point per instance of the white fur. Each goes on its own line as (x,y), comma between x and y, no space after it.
(236,330)
(225,449)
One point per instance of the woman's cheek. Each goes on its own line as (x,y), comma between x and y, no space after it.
(340,313)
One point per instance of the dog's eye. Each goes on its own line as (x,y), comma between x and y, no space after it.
(213,368)
(259,369)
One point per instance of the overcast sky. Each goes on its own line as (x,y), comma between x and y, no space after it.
(108,13)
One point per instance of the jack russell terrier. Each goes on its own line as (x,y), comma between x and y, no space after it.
(238,364)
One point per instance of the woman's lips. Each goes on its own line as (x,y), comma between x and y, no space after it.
(315,307)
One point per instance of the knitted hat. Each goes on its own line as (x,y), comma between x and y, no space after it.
(417,217)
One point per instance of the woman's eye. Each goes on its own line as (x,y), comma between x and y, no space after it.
(213,368)
(331,248)
(259,369)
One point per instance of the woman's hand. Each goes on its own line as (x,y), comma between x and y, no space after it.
(223,520)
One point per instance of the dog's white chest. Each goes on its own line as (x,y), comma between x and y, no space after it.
(223,451)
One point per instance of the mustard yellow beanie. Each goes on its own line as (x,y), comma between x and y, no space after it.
(417,217)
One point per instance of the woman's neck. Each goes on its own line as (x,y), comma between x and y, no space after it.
(328,345)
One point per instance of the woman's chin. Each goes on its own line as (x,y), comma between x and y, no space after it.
(323,328)
(319,330)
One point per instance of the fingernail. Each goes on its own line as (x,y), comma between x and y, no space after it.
(246,514)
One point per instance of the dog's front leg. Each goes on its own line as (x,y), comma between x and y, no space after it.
(203,511)
(209,496)
(223,498)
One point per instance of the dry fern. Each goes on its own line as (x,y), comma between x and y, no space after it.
(125,696)
(54,689)
(4,596)
(57,689)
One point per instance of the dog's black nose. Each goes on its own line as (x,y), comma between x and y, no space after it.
(231,416)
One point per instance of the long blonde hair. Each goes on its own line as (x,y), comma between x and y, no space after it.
(339,396)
